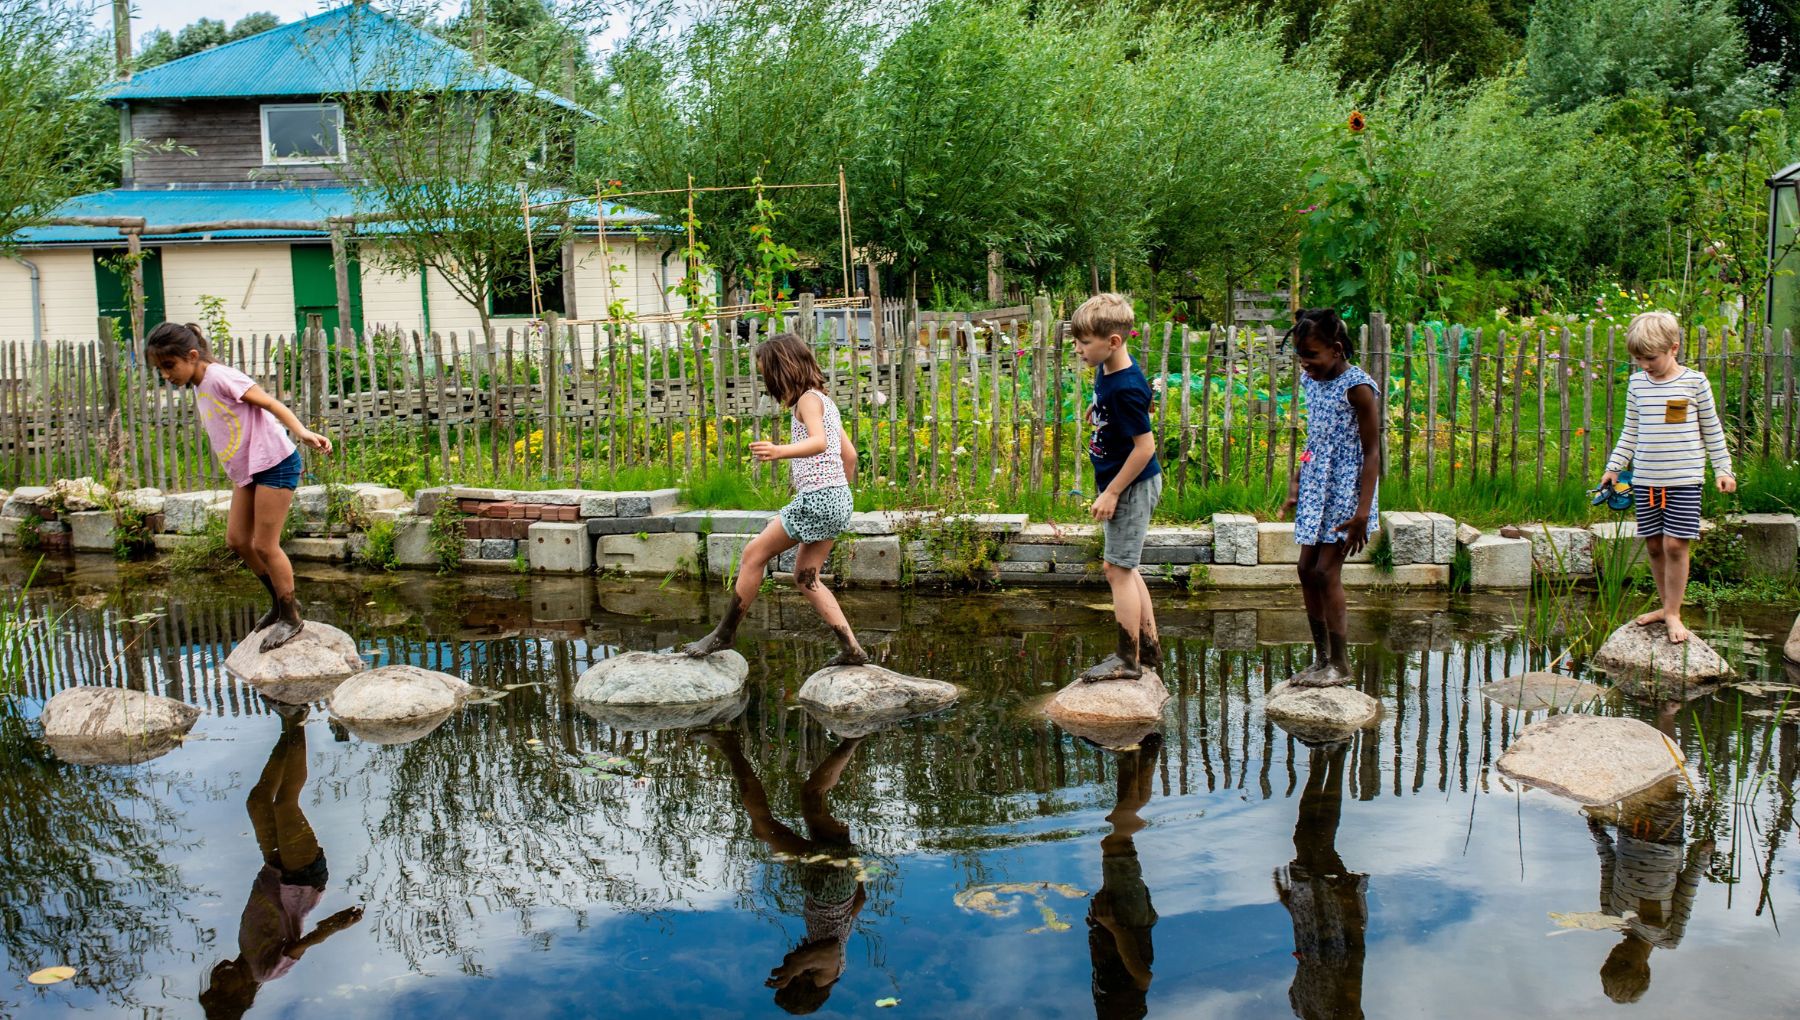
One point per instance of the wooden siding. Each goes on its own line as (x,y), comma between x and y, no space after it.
(226,270)
(66,277)
(225,139)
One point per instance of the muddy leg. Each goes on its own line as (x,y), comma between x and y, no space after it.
(807,564)
(1122,664)
(772,542)
(274,610)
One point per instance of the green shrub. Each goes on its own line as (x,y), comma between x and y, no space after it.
(30,539)
(446,535)
(378,546)
(131,530)
(209,553)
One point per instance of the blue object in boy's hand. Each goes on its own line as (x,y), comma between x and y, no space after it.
(1617,496)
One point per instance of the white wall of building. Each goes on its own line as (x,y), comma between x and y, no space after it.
(69,303)
(256,280)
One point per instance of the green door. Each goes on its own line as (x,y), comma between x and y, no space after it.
(113,287)
(315,287)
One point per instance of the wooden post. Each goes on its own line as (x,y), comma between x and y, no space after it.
(1040,329)
(1562,399)
(552,357)
(340,266)
(312,355)
(1787,363)
(1406,360)
(1768,397)
(1379,345)
(443,402)
(877,328)
(1455,352)
(1518,400)
(1587,401)
(1499,388)
(134,248)
(1431,406)
(806,324)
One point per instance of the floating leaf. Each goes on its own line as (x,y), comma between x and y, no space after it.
(1051,921)
(885,1003)
(534,683)
(1591,920)
(588,772)
(51,975)
(532,742)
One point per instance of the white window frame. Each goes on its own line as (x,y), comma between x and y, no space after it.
(270,159)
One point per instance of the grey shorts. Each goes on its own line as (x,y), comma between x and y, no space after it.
(1130,521)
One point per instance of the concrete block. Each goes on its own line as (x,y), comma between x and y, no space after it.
(412,542)
(92,531)
(1466,534)
(553,497)
(168,543)
(784,564)
(1034,553)
(377,497)
(652,555)
(919,559)
(1181,555)
(1235,629)
(1410,575)
(1557,549)
(146,500)
(471,549)
(499,548)
(1234,539)
(1409,536)
(644,504)
(425,502)
(873,560)
(186,513)
(599,504)
(560,603)
(724,553)
(885,522)
(325,550)
(631,525)
(1616,542)
(1046,533)
(310,501)
(722,522)
(1023,567)
(994,524)
(1164,575)
(1771,543)
(1500,563)
(486,495)
(1275,542)
(559,548)
(1443,536)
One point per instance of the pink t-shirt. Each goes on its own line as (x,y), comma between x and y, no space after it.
(247,438)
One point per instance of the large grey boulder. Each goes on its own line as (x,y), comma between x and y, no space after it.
(113,726)
(319,652)
(650,718)
(1111,713)
(1644,654)
(1320,715)
(1591,759)
(396,704)
(1531,692)
(1791,650)
(663,678)
(854,701)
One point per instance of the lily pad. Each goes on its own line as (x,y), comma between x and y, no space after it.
(51,975)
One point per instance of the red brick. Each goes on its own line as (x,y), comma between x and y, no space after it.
(512,529)
(470,506)
(533,512)
(498,511)
(476,528)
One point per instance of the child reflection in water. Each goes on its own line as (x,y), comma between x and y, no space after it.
(1120,916)
(1644,871)
(289,886)
(834,896)
(1329,903)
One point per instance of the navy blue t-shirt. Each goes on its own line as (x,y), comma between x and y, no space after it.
(1120,413)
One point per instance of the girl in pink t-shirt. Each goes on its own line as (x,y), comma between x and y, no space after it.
(245,426)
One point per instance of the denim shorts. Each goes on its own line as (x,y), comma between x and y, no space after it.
(1131,521)
(285,475)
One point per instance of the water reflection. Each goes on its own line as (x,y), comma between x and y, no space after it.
(823,860)
(1648,875)
(272,934)
(1329,903)
(1120,915)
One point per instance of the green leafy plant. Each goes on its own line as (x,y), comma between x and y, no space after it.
(205,553)
(30,539)
(377,548)
(131,530)
(446,535)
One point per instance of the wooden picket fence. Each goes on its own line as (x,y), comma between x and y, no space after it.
(953,402)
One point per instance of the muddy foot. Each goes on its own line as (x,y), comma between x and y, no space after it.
(1305,677)
(849,657)
(280,633)
(266,620)
(714,642)
(1111,668)
(1326,676)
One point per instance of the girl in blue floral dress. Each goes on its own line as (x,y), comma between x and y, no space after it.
(1333,492)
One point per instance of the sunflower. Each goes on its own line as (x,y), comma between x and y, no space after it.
(1357,123)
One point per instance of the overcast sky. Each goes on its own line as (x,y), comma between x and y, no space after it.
(148,15)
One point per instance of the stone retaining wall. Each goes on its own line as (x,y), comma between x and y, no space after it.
(575,531)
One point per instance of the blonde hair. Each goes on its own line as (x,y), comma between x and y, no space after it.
(1651,334)
(1103,315)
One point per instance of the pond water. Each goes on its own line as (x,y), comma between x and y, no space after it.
(525,860)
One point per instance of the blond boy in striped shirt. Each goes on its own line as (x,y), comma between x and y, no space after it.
(1671,430)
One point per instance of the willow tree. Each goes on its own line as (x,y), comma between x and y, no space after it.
(49,71)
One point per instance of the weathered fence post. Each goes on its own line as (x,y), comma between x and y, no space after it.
(312,355)
(552,334)
(806,324)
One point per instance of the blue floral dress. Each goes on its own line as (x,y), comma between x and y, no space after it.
(1331,466)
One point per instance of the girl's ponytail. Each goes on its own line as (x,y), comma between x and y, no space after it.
(1323,326)
(176,339)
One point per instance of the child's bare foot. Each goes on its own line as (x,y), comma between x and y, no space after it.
(1678,632)
(850,653)
(1306,676)
(1654,616)
(286,627)
(1111,668)
(714,642)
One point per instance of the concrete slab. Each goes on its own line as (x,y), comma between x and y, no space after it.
(631,525)
(412,543)
(91,531)
(646,503)
(872,560)
(327,550)
(1771,543)
(649,555)
(559,548)
(1617,547)
(1498,563)
(1234,539)
(722,522)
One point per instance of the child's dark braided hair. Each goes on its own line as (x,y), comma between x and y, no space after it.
(1322,326)
(176,338)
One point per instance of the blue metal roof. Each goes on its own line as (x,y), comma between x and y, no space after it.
(210,205)
(353,48)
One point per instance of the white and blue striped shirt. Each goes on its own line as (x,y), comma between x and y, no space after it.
(1671,428)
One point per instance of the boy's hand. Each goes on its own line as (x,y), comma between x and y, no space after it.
(1355,532)
(1727,483)
(1105,505)
(1609,479)
(764,450)
(314,440)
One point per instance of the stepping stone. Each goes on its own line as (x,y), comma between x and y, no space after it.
(663,690)
(1591,759)
(1644,655)
(1531,692)
(1111,713)
(319,652)
(397,704)
(113,726)
(854,701)
(1791,650)
(1320,715)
